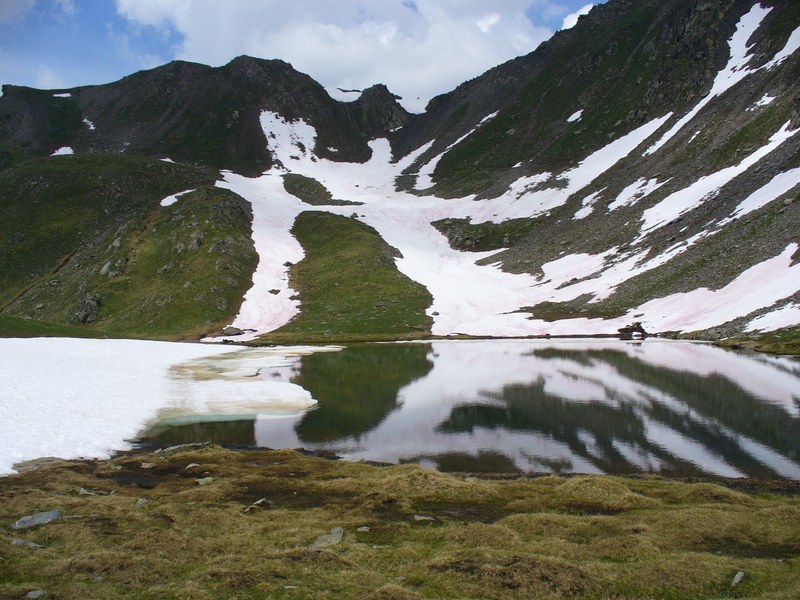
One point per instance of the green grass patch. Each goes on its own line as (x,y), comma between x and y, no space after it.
(183,273)
(349,284)
(11,326)
(548,537)
(311,191)
(783,341)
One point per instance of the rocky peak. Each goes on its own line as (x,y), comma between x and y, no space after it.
(378,111)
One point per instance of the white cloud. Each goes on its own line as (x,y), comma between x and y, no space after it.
(47,79)
(418,48)
(572,19)
(15,10)
(67,7)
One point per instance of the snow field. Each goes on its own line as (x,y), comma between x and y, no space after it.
(74,398)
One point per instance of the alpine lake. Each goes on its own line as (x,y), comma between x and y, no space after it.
(675,409)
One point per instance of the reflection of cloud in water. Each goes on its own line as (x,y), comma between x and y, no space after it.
(587,406)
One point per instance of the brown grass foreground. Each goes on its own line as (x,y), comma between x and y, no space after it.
(548,537)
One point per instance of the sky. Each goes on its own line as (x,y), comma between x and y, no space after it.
(418,48)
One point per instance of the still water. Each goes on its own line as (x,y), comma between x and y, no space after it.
(585,406)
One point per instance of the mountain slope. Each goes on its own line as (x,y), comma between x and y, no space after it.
(192,113)
(642,166)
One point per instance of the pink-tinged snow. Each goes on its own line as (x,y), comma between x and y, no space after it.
(274,213)
(777,187)
(89,124)
(575,117)
(525,198)
(481,299)
(786,316)
(587,205)
(73,398)
(639,189)
(63,151)
(476,372)
(170,200)
(761,285)
(706,188)
(734,72)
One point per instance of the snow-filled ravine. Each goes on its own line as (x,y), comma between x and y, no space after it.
(483,300)
(72,398)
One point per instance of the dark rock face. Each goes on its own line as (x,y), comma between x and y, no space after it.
(193,113)
(87,309)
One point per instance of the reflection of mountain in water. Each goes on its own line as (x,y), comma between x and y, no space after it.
(555,406)
(356,388)
(672,408)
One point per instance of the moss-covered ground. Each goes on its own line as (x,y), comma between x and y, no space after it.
(145,526)
(783,341)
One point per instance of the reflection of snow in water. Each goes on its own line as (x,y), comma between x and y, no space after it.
(470,373)
(99,393)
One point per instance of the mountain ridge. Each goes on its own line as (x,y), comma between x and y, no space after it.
(643,162)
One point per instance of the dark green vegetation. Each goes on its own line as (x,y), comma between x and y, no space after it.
(350,285)
(132,529)
(784,341)
(84,242)
(20,327)
(344,413)
(311,191)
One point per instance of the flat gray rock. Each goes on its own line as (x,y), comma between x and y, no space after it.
(25,544)
(41,518)
(329,539)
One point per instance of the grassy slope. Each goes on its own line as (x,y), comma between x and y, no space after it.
(552,537)
(187,270)
(783,341)
(22,328)
(350,286)
(90,227)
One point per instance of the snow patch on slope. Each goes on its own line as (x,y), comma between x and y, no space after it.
(63,151)
(469,298)
(636,191)
(786,316)
(706,188)
(734,72)
(170,200)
